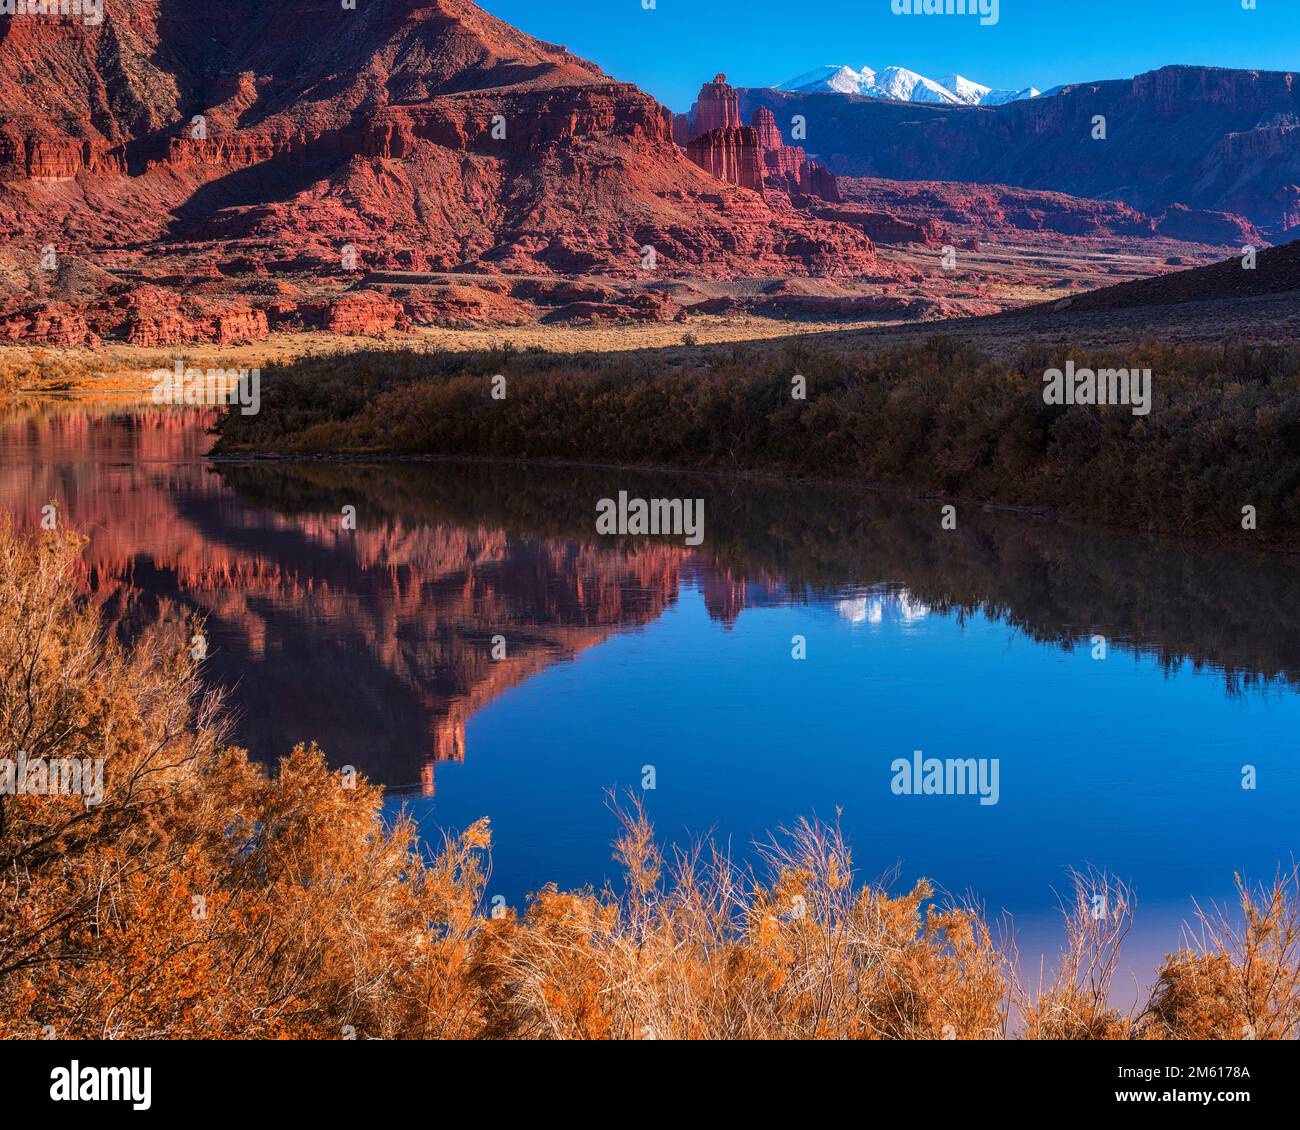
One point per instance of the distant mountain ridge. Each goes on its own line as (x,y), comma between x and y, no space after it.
(898,84)
(1211,138)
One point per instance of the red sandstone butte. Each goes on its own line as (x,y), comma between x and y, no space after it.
(363,312)
(754,156)
(47,324)
(718,107)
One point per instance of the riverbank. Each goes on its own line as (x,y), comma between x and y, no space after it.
(1213,453)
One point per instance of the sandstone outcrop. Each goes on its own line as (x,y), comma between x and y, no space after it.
(886,209)
(363,312)
(883,227)
(220,175)
(48,324)
(730,153)
(754,156)
(718,107)
(787,166)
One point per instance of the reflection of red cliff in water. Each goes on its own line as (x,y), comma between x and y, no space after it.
(724,595)
(378,641)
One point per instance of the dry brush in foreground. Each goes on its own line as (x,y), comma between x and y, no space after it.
(204,897)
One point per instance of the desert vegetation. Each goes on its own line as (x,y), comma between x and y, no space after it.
(207,897)
(940,416)
(46,370)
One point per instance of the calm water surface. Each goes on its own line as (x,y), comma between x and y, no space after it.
(623,654)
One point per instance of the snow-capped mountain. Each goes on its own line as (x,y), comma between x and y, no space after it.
(841,80)
(971,93)
(1002,97)
(976,94)
(897,84)
(882,606)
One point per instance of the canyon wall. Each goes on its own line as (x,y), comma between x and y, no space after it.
(424,133)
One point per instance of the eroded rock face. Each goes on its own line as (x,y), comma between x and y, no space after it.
(816,180)
(891,211)
(787,167)
(884,227)
(418,135)
(754,156)
(47,324)
(156,316)
(1205,226)
(769,136)
(718,107)
(730,153)
(365,312)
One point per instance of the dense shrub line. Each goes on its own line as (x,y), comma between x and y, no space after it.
(1223,432)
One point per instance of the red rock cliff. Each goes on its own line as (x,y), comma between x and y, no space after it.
(718,107)
(751,157)
(730,154)
(425,130)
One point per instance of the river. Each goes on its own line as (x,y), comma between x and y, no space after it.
(475,645)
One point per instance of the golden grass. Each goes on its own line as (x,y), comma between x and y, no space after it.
(118,367)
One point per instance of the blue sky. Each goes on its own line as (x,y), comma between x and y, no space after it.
(671,50)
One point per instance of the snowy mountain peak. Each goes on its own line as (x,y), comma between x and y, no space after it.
(841,80)
(1002,97)
(971,93)
(898,84)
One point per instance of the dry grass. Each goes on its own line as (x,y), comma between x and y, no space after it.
(117,367)
(206,898)
(1239,977)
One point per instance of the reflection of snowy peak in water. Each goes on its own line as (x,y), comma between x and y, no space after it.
(882,607)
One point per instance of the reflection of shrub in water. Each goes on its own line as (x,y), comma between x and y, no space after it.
(1055,582)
